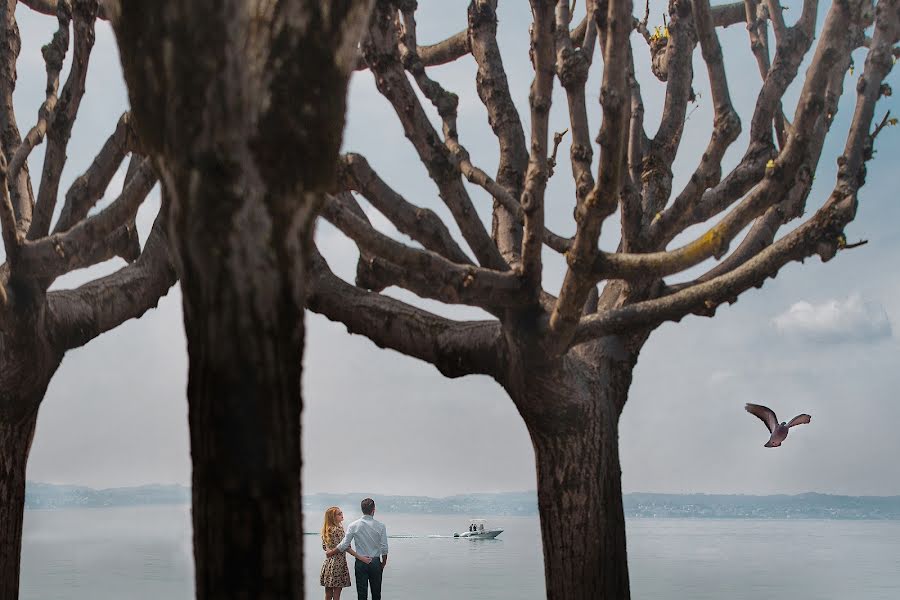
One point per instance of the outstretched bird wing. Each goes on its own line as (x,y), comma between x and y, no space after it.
(765,415)
(800,420)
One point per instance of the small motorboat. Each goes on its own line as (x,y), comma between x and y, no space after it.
(478,531)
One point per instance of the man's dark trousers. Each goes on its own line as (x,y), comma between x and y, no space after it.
(368,575)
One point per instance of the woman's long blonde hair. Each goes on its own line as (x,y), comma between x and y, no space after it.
(330,522)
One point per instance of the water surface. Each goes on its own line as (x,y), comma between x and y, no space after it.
(144,553)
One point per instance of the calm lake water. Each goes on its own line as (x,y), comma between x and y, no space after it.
(145,553)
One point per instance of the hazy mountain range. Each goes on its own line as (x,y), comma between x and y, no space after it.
(801,506)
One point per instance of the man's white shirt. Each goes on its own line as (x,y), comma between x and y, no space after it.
(369,537)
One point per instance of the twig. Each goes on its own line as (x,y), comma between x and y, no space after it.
(551,162)
(884,123)
(854,244)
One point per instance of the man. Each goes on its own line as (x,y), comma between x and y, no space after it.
(370,537)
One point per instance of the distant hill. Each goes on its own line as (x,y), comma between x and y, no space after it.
(49,496)
(801,506)
(637,505)
(503,503)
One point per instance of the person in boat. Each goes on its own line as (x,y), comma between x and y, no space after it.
(370,539)
(335,575)
(481,527)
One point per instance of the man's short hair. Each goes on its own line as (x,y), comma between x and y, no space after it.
(367,506)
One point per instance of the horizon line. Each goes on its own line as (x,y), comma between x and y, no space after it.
(481,493)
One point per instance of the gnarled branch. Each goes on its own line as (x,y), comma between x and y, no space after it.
(81,314)
(426,273)
(54,255)
(381,53)
(603,198)
(84,13)
(455,348)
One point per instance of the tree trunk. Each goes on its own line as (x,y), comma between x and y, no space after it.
(28,361)
(242,107)
(582,520)
(244,327)
(572,411)
(15,443)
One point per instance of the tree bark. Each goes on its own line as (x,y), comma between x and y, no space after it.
(15,443)
(245,338)
(571,409)
(582,519)
(28,361)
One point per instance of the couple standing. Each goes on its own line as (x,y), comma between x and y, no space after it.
(371,554)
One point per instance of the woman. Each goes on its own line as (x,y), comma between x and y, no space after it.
(335,575)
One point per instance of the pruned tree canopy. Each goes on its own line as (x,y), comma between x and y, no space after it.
(565,355)
(49,232)
(500,270)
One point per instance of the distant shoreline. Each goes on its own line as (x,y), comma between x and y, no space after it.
(810,505)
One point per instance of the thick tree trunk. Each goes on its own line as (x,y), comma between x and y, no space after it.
(245,338)
(571,409)
(242,107)
(15,443)
(582,520)
(27,363)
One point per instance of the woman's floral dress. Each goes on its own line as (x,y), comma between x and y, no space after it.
(334,570)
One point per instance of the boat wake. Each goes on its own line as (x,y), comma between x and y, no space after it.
(407,536)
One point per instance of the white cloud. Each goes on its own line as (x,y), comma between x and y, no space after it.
(853,319)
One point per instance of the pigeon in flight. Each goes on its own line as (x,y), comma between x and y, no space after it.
(778,430)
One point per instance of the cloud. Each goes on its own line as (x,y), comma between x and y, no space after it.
(850,320)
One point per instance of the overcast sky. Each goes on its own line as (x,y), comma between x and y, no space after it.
(821,338)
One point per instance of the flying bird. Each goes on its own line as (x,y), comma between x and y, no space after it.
(778,430)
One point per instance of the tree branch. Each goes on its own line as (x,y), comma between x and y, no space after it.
(793,168)
(603,198)
(421,224)
(757,20)
(704,297)
(822,234)
(52,256)
(725,15)
(697,204)
(572,66)
(775,13)
(493,90)
(426,273)
(91,185)
(54,54)
(20,186)
(60,127)
(50,7)
(631,211)
(712,55)
(539,100)
(381,53)
(879,62)
(763,232)
(455,348)
(726,127)
(443,52)
(80,315)
(12,240)
(678,46)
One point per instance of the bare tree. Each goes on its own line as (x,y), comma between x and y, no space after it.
(37,326)
(566,360)
(241,105)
